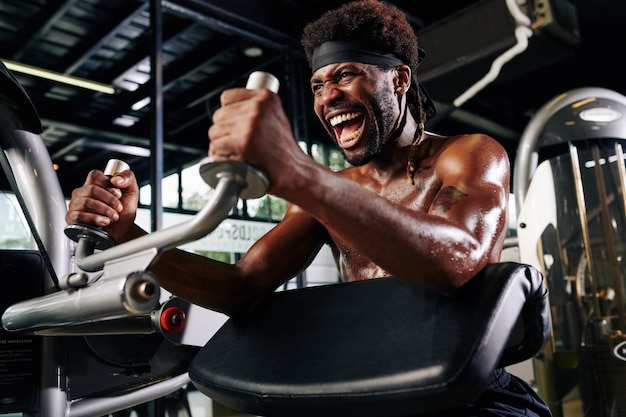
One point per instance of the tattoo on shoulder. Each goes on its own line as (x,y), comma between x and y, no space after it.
(448,197)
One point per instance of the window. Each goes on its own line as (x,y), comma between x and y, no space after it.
(14,231)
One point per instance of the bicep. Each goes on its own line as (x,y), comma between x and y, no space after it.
(474,191)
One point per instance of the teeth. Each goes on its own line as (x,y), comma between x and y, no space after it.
(354,135)
(343,118)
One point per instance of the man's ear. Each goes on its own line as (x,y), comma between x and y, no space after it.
(403,79)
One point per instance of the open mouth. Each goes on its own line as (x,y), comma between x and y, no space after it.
(347,126)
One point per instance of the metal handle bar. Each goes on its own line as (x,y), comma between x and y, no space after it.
(205,221)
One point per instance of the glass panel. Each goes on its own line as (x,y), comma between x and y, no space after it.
(195,192)
(14,231)
(317,152)
(267,207)
(336,160)
(583,255)
(170,191)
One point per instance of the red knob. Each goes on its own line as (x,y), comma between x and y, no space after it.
(172,319)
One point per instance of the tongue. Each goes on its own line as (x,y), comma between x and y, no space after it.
(348,128)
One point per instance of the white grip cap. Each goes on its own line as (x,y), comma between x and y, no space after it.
(261,79)
(115,166)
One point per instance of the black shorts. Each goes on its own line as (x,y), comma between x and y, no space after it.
(506,396)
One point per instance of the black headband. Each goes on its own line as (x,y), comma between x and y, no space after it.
(350,50)
(356,50)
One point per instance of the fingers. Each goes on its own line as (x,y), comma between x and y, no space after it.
(123,179)
(93,204)
(96,177)
(100,200)
(238,121)
(234,95)
(90,211)
(227,142)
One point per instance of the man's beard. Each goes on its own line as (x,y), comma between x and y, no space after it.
(380,129)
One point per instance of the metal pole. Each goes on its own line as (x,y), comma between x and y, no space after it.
(584,226)
(156,100)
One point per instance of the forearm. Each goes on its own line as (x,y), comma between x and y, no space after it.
(198,279)
(205,282)
(236,288)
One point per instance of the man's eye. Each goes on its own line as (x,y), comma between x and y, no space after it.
(316,87)
(346,76)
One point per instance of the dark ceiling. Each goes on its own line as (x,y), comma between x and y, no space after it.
(575,44)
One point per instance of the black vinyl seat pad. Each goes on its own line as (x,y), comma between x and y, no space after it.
(369,345)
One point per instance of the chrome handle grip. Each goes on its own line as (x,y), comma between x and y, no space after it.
(253,180)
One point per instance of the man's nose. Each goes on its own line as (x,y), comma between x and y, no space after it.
(329,94)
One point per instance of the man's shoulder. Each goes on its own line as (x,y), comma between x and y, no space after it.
(467,141)
(463,137)
(467,150)
(473,142)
